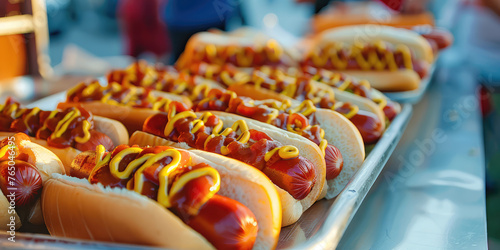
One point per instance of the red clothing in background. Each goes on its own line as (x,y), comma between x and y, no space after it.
(393,4)
(143,28)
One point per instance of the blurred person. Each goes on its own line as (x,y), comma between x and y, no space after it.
(405,6)
(185,18)
(143,28)
(493,5)
(408,6)
(483,39)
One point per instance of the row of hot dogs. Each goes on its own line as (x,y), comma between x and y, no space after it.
(391,59)
(226,147)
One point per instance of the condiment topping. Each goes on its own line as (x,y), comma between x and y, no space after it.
(116,94)
(365,56)
(136,164)
(300,119)
(189,190)
(237,141)
(61,128)
(241,56)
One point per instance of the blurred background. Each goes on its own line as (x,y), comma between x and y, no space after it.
(90,36)
(48,46)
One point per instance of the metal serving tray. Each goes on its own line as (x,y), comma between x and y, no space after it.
(413,96)
(320,227)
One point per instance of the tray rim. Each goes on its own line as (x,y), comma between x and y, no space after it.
(413,96)
(349,200)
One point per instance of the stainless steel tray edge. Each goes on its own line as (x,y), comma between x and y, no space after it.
(347,203)
(413,96)
(45,241)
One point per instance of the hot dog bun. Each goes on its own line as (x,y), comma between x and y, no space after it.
(74,208)
(46,163)
(222,41)
(113,129)
(415,50)
(361,102)
(132,118)
(388,81)
(367,33)
(352,86)
(199,80)
(262,94)
(377,94)
(293,208)
(355,13)
(257,94)
(339,131)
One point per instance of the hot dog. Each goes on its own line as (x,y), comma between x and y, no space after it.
(25,168)
(241,51)
(65,132)
(352,86)
(161,78)
(356,13)
(343,133)
(364,114)
(340,142)
(370,120)
(267,83)
(441,38)
(298,171)
(368,12)
(166,197)
(128,104)
(391,59)
(228,75)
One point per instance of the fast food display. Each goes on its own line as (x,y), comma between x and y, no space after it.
(342,161)
(346,85)
(25,168)
(340,142)
(291,83)
(166,197)
(237,140)
(264,83)
(391,59)
(66,132)
(294,165)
